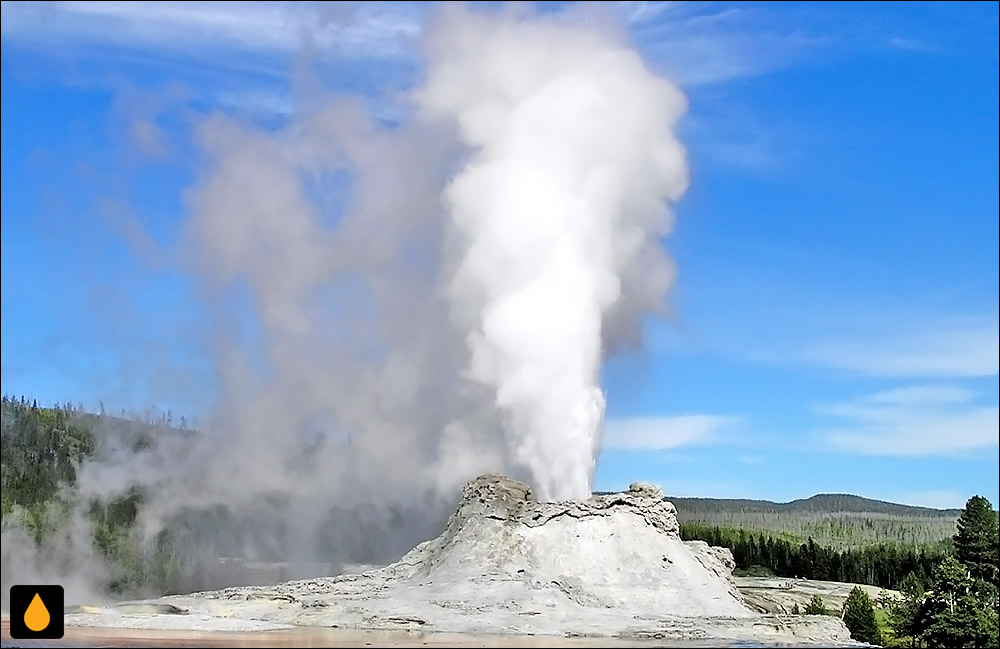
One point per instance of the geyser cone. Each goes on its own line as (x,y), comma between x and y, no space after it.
(610,551)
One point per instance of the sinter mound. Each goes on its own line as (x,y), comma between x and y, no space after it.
(613,565)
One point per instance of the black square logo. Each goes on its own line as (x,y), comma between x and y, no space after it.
(36,612)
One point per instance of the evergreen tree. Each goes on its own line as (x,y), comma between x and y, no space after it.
(859,616)
(976,543)
(903,614)
(953,615)
(816,606)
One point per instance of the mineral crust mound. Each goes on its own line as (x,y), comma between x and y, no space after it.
(611,566)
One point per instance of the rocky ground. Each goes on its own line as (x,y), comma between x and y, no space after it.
(778,595)
(612,566)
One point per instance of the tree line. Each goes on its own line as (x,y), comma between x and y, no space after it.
(884,565)
(948,592)
(961,608)
(834,520)
(43,449)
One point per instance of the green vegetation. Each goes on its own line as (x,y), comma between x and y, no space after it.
(960,607)
(943,562)
(859,616)
(837,521)
(43,449)
(901,614)
(816,606)
(884,565)
(976,543)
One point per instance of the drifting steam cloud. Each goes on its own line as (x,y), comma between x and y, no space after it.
(449,320)
(572,160)
(398,309)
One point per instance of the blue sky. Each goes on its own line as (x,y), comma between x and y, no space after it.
(834,322)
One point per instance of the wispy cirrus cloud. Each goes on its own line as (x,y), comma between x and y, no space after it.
(708,43)
(699,43)
(910,44)
(220,34)
(949,350)
(665,432)
(918,420)
(258,59)
(922,395)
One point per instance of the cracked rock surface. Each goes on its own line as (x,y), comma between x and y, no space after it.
(612,566)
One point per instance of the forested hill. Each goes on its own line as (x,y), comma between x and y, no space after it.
(834,520)
(839,521)
(693,508)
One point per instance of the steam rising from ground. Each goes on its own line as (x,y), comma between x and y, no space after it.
(572,160)
(401,308)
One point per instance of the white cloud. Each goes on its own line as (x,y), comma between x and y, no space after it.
(904,43)
(959,350)
(923,394)
(708,43)
(662,433)
(203,29)
(921,420)
(642,11)
(699,43)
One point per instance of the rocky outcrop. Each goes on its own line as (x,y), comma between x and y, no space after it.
(782,595)
(611,566)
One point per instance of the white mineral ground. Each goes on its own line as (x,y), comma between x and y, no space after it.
(506,568)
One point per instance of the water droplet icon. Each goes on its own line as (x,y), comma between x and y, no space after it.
(36,617)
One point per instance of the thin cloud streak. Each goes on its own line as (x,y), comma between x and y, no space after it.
(915,421)
(662,433)
(204,29)
(698,44)
(959,351)
(702,45)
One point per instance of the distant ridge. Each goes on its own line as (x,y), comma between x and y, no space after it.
(836,520)
(820,503)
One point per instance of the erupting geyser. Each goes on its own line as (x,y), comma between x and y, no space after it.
(563,197)
(392,310)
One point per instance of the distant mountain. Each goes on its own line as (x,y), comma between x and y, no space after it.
(835,520)
(818,504)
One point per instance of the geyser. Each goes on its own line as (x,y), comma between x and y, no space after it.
(451,317)
(392,310)
(572,160)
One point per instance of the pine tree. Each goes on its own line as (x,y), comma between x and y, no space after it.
(859,616)
(953,614)
(976,543)
(816,606)
(903,614)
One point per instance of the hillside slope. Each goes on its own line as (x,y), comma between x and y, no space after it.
(835,520)
(820,503)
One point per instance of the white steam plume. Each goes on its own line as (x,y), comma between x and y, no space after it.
(445,323)
(573,159)
(395,310)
